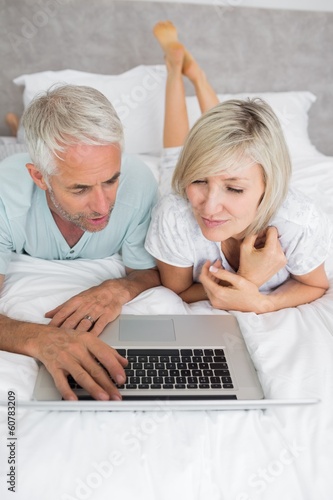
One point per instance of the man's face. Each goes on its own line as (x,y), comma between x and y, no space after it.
(83,191)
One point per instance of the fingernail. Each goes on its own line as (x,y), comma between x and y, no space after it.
(103,396)
(72,398)
(120,379)
(213,269)
(115,397)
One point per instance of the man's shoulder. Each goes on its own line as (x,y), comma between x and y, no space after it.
(137,182)
(16,185)
(14,163)
(134,167)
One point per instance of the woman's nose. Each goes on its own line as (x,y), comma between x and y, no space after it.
(213,201)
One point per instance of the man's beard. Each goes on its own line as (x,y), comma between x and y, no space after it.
(78,219)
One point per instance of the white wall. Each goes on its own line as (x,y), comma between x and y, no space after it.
(315,5)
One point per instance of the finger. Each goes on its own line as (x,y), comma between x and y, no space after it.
(205,267)
(61,383)
(51,313)
(212,288)
(97,381)
(99,326)
(101,323)
(249,241)
(79,360)
(226,276)
(218,264)
(271,235)
(62,321)
(96,375)
(123,361)
(86,324)
(60,314)
(77,319)
(110,359)
(60,307)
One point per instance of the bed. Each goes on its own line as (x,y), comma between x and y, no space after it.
(233,455)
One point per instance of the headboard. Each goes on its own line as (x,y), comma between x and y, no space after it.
(241,49)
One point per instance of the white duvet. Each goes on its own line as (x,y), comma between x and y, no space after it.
(273,454)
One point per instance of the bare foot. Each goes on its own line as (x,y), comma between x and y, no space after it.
(166,33)
(179,61)
(174,51)
(167,36)
(13,122)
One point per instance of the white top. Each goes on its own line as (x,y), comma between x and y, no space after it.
(305,234)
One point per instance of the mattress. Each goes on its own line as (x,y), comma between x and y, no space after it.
(234,455)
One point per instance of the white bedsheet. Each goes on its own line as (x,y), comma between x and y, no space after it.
(235,455)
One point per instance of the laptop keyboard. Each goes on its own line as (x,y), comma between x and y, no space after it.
(174,369)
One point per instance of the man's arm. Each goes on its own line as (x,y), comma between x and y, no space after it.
(65,351)
(102,303)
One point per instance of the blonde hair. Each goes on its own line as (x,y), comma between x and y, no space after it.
(67,115)
(223,136)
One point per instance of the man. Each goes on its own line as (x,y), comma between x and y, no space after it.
(76,196)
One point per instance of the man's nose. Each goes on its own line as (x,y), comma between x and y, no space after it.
(99,202)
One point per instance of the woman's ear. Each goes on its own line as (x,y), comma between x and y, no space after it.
(36,176)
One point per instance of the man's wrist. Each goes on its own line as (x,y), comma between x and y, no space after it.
(119,290)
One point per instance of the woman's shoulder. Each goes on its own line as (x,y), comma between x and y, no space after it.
(174,204)
(297,209)
(175,213)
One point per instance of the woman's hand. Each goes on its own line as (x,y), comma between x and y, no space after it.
(229,291)
(261,257)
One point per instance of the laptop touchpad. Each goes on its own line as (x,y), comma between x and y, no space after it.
(146,330)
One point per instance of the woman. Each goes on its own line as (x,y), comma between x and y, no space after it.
(232,202)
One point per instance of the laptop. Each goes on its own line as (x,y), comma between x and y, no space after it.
(175,361)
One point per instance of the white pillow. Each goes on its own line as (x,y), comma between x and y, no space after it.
(291,109)
(137,95)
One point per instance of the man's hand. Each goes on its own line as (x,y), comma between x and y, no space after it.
(228,291)
(65,352)
(94,308)
(261,257)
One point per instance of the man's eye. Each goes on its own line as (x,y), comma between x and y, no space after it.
(80,191)
(112,181)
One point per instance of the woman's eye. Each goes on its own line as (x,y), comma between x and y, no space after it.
(234,190)
(199,181)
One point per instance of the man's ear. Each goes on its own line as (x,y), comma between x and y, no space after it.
(36,176)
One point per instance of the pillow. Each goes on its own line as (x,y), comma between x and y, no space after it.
(137,95)
(291,108)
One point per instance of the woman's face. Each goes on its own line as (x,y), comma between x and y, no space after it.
(225,205)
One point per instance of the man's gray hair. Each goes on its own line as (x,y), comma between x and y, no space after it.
(68,115)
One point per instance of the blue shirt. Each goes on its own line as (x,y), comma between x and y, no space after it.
(27,225)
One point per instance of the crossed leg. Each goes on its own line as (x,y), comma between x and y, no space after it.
(180,62)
